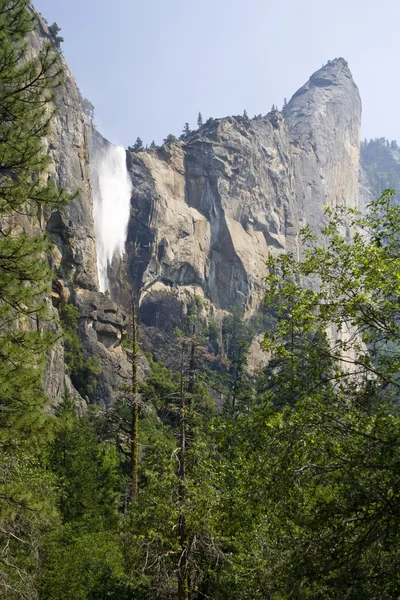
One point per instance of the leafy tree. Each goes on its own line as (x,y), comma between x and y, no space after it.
(310,511)
(332,479)
(200,120)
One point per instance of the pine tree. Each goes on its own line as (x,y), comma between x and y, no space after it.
(170,139)
(25,119)
(137,147)
(55,30)
(200,121)
(185,132)
(245,115)
(153,145)
(26,111)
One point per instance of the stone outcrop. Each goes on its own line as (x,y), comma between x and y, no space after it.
(207,212)
(102,327)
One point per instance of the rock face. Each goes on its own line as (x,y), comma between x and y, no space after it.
(206,212)
(72,228)
(102,324)
(379,169)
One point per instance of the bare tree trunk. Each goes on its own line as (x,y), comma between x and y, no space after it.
(183,576)
(192,362)
(134,433)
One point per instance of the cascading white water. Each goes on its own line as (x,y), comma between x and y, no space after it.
(111,207)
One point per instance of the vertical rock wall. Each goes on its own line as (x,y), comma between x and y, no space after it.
(207,212)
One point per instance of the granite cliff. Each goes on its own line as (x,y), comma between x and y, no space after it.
(207,211)
(102,323)
(205,214)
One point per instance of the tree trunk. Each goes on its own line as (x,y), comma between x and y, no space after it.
(134,434)
(192,363)
(183,576)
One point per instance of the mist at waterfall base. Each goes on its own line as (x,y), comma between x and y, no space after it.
(112,191)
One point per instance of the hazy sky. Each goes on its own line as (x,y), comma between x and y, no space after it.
(150,65)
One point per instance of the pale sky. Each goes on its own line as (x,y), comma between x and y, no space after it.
(150,65)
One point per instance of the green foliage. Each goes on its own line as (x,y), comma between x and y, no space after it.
(170,139)
(83,566)
(74,451)
(200,120)
(83,555)
(27,490)
(331,479)
(83,370)
(25,119)
(186,132)
(137,147)
(54,31)
(245,115)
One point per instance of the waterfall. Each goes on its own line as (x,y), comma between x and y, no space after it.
(112,188)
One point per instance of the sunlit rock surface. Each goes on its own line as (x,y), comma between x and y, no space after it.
(206,213)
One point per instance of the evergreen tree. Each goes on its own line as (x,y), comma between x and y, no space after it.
(55,30)
(200,121)
(82,555)
(153,145)
(83,369)
(186,132)
(170,139)
(137,147)
(245,115)
(26,92)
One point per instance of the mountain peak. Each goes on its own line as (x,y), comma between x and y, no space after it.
(335,73)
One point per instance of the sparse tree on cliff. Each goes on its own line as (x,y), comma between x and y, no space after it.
(137,147)
(200,120)
(170,139)
(245,115)
(186,132)
(55,30)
